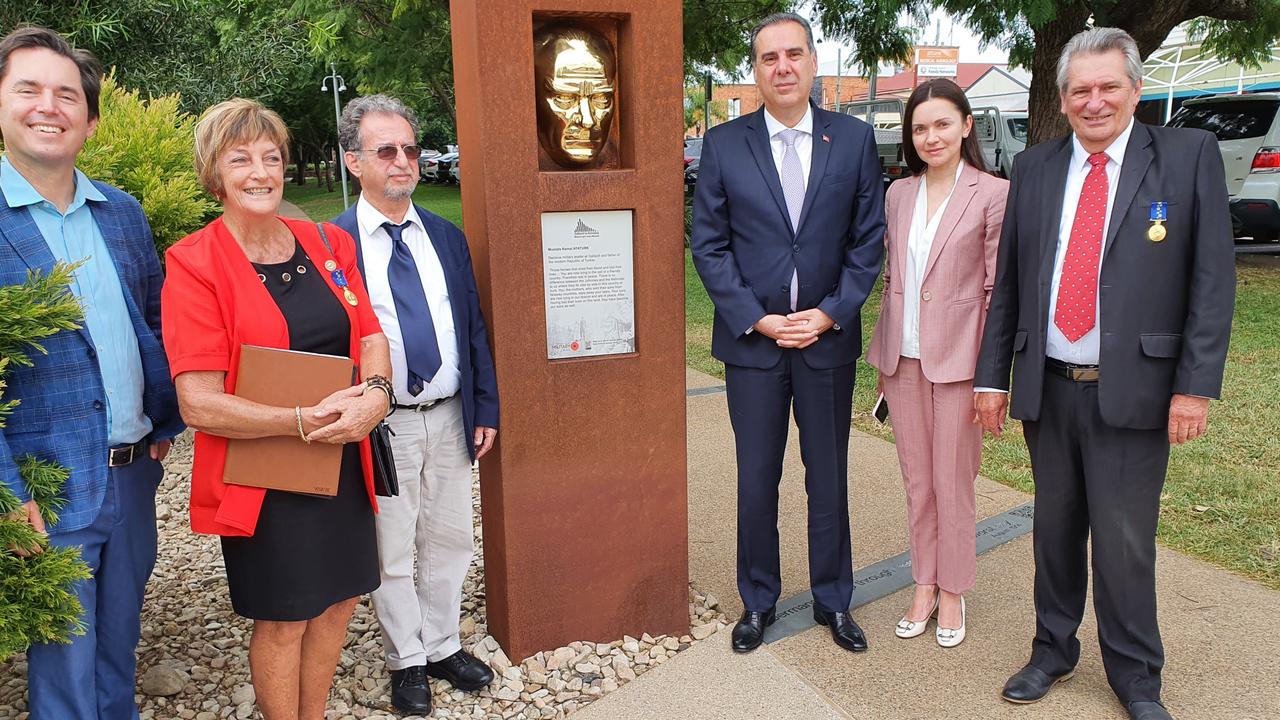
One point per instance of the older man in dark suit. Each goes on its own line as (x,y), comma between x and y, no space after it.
(788,224)
(1112,302)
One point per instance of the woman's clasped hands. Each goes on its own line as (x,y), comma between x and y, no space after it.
(347,415)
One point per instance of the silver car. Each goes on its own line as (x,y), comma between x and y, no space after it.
(1249,138)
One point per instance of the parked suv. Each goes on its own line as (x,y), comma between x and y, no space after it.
(1249,138)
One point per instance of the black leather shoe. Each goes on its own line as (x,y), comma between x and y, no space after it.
(844,630)
(462,670)
(410,692)
(1148,710)
(1031,684)
(749,632)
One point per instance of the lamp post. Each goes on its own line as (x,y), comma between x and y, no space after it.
(338,86)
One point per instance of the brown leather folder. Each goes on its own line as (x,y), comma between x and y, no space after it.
(287,378)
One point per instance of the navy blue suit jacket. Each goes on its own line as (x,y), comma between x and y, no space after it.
(746,250)
(475,361)
(62,415)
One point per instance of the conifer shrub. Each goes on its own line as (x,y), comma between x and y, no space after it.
(37,603)
(144,147)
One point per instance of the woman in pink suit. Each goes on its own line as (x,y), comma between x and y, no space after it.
(943,227)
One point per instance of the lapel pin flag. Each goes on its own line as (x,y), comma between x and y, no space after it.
(826,139)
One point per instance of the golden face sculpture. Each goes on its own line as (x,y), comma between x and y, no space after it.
(575,73)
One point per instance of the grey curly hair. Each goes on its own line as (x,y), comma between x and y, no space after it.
(349,124)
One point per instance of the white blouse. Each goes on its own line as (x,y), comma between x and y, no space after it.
(919,243)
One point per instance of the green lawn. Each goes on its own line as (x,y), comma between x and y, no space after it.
(320,204)
(1222,497)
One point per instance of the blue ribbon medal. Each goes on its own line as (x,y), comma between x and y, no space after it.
(341,281)
(1159,214)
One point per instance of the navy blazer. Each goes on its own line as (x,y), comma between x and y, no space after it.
(475,361)
(746,250)
(62,412)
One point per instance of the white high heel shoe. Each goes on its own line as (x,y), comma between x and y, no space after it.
(909,629)
(949,638)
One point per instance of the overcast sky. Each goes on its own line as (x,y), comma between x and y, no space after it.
(953,33)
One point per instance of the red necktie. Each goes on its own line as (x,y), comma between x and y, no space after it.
(1078,288)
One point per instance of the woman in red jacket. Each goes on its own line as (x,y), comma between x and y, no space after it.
(296,564)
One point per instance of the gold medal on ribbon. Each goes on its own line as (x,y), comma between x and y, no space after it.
(330,265)
(1159,213)
(350,296)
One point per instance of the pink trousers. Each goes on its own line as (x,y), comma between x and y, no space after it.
(940,449)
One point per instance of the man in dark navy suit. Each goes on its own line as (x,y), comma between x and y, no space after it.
(417,268)
(788,229)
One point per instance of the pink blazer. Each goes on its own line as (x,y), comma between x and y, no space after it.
(957,281)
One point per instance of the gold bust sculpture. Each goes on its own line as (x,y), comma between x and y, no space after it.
(575,74)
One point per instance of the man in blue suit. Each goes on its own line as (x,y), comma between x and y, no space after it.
(788,226)
(100,402)
(417,268)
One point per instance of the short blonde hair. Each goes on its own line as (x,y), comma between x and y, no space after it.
(230,123)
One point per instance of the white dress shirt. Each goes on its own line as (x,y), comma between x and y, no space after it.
(804,151)
(375,247)
(919,244)
(1085,350)
(803,145)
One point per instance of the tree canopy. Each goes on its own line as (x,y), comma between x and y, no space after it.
(1035,31)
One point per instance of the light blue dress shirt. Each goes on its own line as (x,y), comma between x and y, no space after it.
(73,236)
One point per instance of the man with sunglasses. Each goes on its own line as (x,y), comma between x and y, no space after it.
(417,268)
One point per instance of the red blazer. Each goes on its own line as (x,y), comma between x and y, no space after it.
(956,286)
(211,304)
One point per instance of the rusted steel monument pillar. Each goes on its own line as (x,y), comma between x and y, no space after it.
(570,114)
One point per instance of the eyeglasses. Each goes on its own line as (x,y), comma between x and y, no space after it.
(388,153)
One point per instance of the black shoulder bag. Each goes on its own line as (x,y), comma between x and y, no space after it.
(385,482)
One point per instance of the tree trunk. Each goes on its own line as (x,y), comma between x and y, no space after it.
(1044,105)
(300,165)
(1149,23)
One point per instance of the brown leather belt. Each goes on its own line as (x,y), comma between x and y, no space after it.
(1071,371)
(124,454)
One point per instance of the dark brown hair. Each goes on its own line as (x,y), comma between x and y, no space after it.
(34,36)
(942,89)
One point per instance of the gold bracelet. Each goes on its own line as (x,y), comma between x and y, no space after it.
(297,413)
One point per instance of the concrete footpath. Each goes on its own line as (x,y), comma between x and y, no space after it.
(1223,654)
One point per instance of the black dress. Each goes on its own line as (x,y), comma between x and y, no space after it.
(307,552)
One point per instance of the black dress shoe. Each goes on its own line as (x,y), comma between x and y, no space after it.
(749,632)
(1148,710)
(410,692)
(844,630)
(1031,684)
(462,670)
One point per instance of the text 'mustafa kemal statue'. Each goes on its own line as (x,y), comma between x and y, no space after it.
(575,75)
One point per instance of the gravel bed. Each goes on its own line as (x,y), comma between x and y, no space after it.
(193,660)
